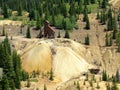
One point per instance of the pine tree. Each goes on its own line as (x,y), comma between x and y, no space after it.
(40,10)
(114,24)
(3,31)
(59,36)
(111,42)
(114,34)
(87,40)
(119,47)
(38,22)
(66,34)
(117,76)
(28,34)
(104,76)
(106,40)
(108,86)
(101,17)
(24,76)
(85,13)
(53,18)
(5,83)
(109,25)
(114,85)
(98,15)
(28,82)
(5,11)
(17,69)
(45,88)
(21,31)
(20,8)
(104,4)
(51,75)
(7,45)
(32,14)
(87,24)
(12,85)
(98,87)
(78,86)
(104,18)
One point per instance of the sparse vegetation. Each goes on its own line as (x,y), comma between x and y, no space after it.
(51,75)
(94,18)
(28,34)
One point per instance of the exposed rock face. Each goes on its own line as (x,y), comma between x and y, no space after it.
(68,64)
(38,58)
(63,55)
(67,57)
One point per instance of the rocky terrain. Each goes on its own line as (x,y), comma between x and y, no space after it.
(69,59)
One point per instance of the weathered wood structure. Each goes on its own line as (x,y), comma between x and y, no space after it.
(49,32)
(94,71)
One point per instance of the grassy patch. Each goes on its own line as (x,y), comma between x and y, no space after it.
(33,80)
(93,8)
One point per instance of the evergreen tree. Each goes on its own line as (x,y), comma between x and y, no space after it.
(51,75)
(108,87)
(24,76)
(104,3)
(106,40)
(64,10)
(111,42)
(117,76)
(53,18)
(114,34)
(19,8)
(66,34)
(7,45)
(3,31)
(78,86)
(28,82)
(114,24)
(87,40)
(98,15)
(47,13)
(87,24)
(98,87)
(72,9)
(114,86)
(17,69)
(119,47)
(45,88)
(21,31)
(32,14)
(5,83)
(40,10)
(109,25)
(104,76)
(28,34)
(101,17)
(85,13)
(104,18)
(12,85)
(5,11)
(38,22)
(59,36)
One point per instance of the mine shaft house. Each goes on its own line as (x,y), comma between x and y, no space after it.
(49,32)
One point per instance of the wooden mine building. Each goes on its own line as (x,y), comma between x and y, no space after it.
(49,32)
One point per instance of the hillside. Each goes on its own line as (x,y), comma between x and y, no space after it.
(60,45)
(64,55)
